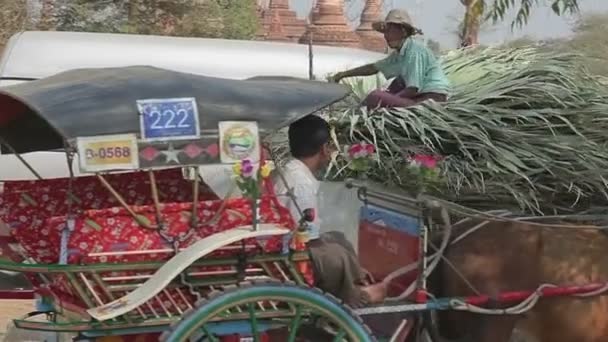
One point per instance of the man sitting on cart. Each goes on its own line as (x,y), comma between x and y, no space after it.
(417,71)
(335,263)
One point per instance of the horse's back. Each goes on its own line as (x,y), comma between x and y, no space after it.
(513,256)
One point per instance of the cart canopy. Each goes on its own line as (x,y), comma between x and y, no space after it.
(41,115)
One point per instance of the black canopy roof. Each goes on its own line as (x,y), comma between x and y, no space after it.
(40,115)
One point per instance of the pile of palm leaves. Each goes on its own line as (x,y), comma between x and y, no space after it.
(524,129)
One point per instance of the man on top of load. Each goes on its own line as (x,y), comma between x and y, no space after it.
(417,71)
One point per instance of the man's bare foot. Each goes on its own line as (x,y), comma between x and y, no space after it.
(368,278)
(376,292)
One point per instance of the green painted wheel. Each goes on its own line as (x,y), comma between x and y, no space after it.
(264,311)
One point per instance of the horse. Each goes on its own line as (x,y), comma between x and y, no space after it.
(498,255)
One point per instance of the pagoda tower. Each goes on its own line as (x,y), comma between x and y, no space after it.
(371,39)
(276,30)
(329,26)
(292,27)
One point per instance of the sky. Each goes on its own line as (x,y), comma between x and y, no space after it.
(439,22)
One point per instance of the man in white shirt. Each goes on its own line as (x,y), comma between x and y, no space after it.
(335,263)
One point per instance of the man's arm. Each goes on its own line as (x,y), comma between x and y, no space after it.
(307,199)
(366,70)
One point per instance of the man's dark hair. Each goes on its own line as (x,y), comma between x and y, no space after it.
(307,136)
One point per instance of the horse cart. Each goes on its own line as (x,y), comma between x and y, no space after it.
(134,246)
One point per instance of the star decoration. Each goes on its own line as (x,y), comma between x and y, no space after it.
(171,154)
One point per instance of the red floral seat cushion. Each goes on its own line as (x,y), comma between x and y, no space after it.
(108,235)
(27,205)
(105,232)
(115,230)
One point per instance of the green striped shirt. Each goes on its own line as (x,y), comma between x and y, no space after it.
(418,67)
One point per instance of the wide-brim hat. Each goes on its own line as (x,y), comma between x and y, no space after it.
(396,16)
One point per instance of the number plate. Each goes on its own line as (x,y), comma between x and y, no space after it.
(110,152)
(168,119)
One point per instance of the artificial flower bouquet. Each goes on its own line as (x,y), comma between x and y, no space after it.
(422,172)
(360,156)
(249,179)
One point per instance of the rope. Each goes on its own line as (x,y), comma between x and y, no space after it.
(524,306)
(433,260)
(495,215)
(490,216)
(474,229)
(473,213)
(597,292)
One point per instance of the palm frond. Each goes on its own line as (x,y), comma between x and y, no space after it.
(524,128)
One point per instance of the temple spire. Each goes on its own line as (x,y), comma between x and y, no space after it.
(371,39)
(330,27)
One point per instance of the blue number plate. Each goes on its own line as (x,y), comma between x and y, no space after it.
(168,119)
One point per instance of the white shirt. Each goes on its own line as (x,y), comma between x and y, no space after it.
(305,187)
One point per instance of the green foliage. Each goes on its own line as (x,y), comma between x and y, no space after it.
(591,40)
(191,24)
(240,21)
(12,16)
(90,16)
(499,9)
(214,19)
(522,42)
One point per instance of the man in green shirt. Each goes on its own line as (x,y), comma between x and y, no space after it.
(417,72)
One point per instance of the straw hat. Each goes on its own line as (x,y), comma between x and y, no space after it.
(395,16)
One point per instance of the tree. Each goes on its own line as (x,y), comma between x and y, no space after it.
(477,11)
(87,16)
(520,43)
(13,16)
(210,18)
(590,39)
(240,20)
(215,19)
(191,24)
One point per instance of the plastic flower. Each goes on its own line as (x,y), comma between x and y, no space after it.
(247,168)
(422,173)
(361,150)
(426,160)
(265,170)
(236,168)
(360,156)
(354,151)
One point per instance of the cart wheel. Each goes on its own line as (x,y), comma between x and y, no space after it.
(260,311)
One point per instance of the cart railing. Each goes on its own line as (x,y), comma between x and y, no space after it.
(173,267)
(96,284)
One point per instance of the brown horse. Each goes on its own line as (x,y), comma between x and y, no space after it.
(509,256)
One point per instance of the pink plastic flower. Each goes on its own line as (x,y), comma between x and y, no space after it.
(247,168)
(426,160)
(354,151)
(361,150)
